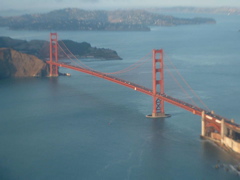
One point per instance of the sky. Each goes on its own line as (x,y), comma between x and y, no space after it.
(110,4)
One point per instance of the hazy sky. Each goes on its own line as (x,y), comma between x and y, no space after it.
(104,4)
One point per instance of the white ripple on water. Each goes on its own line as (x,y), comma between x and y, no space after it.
(228,168)
(131,158)
(135,166)
(114,163)
(233,169)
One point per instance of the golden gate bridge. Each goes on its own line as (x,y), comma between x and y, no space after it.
(214,127)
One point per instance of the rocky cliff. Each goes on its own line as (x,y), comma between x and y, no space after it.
(17,64)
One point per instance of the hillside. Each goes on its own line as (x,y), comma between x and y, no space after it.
(82,20)
(17,64)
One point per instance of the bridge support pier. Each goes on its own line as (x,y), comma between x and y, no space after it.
(222,131)
(158,71)
(53,55)
(203,125)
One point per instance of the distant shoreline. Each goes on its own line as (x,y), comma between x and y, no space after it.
(178,9)
(74,19)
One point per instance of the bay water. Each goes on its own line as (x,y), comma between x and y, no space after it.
(85,128)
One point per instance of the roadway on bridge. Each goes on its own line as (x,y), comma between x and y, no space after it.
(174,101)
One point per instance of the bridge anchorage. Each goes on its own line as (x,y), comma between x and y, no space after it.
(222,131)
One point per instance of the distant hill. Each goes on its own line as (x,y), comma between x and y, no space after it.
(40,48)
(214,10)
(82,20)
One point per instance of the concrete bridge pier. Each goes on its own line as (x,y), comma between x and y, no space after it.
(203,125)
(222,131)
(158,115)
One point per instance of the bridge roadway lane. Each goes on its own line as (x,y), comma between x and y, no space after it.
(174,101)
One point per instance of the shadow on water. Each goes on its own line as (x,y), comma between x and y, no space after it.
(54,81)
(220,160)
(212,152)
(157,140)
(158,125)
(54,85)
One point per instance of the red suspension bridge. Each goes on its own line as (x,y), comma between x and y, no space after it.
(214,127)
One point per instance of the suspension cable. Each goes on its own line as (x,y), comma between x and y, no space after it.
(131,67)
(188,96)
(137,65)
(190,88)
(82,64)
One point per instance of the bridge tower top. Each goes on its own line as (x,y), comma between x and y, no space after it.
(158,67)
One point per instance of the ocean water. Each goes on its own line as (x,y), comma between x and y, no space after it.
(82,127)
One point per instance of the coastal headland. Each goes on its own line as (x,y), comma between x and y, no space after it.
(20,58)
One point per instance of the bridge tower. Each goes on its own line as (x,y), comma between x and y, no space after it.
(53,55)
(157,82)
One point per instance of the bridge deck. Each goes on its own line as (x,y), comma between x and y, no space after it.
(174,101)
